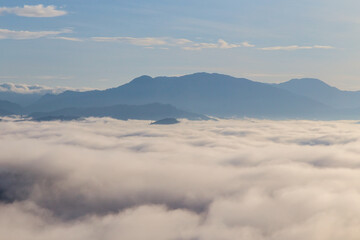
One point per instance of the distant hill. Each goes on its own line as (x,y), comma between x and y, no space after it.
(319,91)
(153,111)
(210,94)
(9,108)
(166,121)
(20,98)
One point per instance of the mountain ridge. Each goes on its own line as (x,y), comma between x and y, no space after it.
(218,95)
(209,94)
(322,92)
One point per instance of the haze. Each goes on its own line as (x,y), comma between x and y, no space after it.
(179,120)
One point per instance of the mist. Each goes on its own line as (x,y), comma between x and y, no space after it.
(102,178)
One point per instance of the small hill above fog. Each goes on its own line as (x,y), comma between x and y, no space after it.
(166,121)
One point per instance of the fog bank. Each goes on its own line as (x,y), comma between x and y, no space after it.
(227,179)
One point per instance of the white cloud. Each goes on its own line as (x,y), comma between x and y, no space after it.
(34,11)
(323,47)
(22,35)
(69,39)
(110,179)
(247,44)
(295,47)
(221,44)
(134,41)
(186,44)
(183,43)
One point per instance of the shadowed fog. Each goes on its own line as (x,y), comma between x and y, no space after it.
(208,180)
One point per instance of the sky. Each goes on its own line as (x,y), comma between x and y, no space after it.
(102,44)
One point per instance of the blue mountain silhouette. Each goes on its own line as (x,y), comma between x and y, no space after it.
(319,91)
(210,94)
(205,94)
(9,108)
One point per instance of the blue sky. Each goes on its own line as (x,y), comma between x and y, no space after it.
(100,44)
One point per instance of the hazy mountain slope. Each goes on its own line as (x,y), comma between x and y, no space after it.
(212,94)
(322,92)
(5,112)
(153,111)
(9,108)
(20,98)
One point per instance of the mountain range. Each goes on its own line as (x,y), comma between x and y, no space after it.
(198,95)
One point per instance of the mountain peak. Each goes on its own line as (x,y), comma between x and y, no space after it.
(141,79)
(321,92)
(206,74)
(307,86)
(307,81)
(200,74)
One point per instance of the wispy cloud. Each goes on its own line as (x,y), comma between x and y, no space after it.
(183,43)
(246,44)
(186,44)
(34,11)
(69,39)
(21,35)
(152,42)
(148,41)
(222,44)
(295,47)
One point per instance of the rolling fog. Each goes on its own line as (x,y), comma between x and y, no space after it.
(197,180)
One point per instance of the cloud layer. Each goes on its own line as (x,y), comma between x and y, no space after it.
(295,47)
(152,42)
(22,35)
(183,43)
(186,44)
(33,11)
(227,179)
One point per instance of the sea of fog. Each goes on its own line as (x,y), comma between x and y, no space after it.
(197,180)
